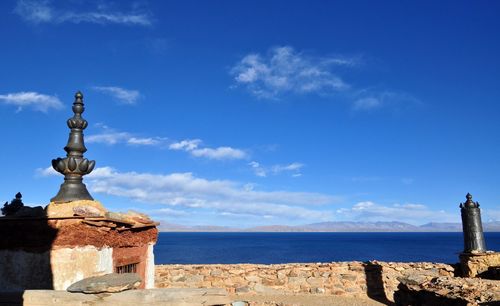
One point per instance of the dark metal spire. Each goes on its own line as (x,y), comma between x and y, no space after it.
(472,226)
(74,166)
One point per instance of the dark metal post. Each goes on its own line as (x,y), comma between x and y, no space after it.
(74,166)
(472,226)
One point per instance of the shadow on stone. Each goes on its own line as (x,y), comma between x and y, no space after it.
(407,297)
(26,241)
(375,283)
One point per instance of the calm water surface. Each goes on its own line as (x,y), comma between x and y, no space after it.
(268,248)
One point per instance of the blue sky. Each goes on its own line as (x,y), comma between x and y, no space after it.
(245,113)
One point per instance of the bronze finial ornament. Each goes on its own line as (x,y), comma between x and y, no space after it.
(74,166)
(472,226)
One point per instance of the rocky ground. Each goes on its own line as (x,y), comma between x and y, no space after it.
(446,290)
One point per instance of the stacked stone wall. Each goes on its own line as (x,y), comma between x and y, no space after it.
(484,265)
(377,280)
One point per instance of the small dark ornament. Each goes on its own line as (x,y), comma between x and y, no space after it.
(472,226)
(15,205)
(74,166)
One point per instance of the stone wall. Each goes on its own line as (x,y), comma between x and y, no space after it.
(480,264)
(377,280)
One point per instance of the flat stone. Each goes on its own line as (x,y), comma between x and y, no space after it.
(138,217)
(87,211)
(149,297)
(252,278)
(113,282)
(259,288)
(350,277)
(66,209)
(243,289)
(296,280)
(316,282)
(413,279)
(194,279)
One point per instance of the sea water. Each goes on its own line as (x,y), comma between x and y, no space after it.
(273,248)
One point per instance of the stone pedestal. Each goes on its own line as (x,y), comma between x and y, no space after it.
(56,250)
(151,297)
(479,264)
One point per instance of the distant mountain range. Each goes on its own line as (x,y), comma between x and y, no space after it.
(334,227)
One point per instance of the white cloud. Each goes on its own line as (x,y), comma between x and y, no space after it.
(290,167)
(30,99)
(258,169)
(143,141)
(411,213)
(219,153)
(184,190)
(124,96)
(39,11)
(293,168)
(110,136)
(285,70)
(49,171)
(369,99)
(169,212)
(187,145)
(193,147)
(491,215)
(367,103)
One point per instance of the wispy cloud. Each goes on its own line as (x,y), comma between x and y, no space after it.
(186,191)
(262,171)
(110,136)
(491,214)
(367,103)
(122,95)
(258,169)
(284,70)
(169,212)
(290,167)
(411,213)
(370,99)
(192,146)
(41,11)
(32,100)
(49,171)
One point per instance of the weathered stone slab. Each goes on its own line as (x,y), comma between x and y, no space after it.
(112,282)
(150,297)
(87,211)
(54,210)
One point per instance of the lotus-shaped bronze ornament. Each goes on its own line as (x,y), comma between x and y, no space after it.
(74,166)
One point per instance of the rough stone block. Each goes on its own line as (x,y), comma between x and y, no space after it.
(478,264)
